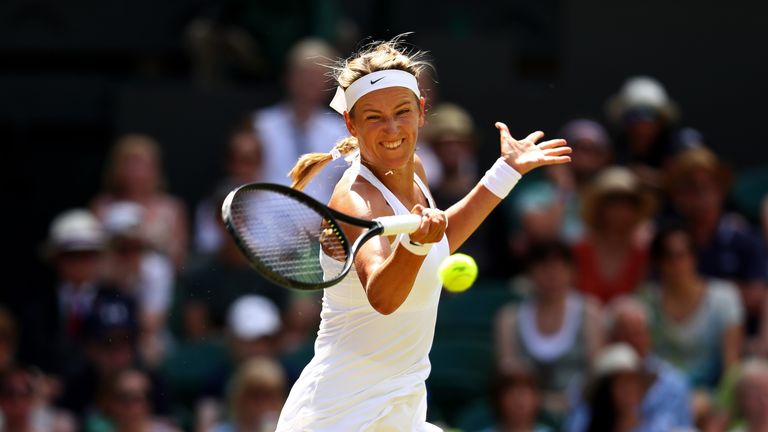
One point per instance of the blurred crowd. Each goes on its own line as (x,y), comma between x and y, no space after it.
(624,291)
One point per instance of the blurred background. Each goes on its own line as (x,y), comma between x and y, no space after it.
(640,266)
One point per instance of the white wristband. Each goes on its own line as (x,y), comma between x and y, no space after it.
(414,248)
(500,179)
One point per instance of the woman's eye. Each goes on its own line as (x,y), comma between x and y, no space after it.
(403,111)
(372,118)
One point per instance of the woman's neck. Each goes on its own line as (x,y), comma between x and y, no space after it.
(613,240)
(627,421)
(682,287)
(398,181)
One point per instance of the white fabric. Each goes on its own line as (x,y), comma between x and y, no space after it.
(282,139)
(369,369)
(156,282)
(546,348)
(344,100)
(416,249)
(500,178)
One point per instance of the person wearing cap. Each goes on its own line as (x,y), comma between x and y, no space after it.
(134,267)
(615,391)
(450,134)
(371,356)
(726,246)
(112,333)
(666,395)
(644,117)
(612,258)
(301,123)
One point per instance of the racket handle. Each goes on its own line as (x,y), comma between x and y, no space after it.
(400,224)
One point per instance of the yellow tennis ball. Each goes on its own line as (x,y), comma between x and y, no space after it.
(458,272)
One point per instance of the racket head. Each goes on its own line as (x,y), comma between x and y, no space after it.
(282,232)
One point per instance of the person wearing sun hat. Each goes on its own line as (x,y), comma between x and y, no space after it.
(644,117)
(613,256)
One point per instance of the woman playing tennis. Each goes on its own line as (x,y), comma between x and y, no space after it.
(371,354)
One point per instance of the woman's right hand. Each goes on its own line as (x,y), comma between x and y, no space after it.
(432,227)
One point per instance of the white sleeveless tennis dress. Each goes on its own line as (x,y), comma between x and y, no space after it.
(369,369)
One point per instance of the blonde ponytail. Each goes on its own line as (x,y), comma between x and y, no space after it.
(311,163)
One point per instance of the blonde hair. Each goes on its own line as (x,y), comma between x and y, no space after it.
(133,144)
(376,56)
(261,372)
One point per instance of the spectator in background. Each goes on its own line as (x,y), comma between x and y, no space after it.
(53,316)
(616,391)
(612,258)
(665,400)
(302,122)
(24,406)
(253,331)
(752,397)
(255,396)
(644,117)
(725,245)
(556,331)
(696,321)
(516,401)
(125,405)
(244,164)
(592,152)
(138,271)
(111,332)
(134,173)
(452,142)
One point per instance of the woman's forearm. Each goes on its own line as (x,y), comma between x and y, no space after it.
(389,285)
(465,216)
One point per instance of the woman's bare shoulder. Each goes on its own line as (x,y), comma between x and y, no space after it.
(357,197)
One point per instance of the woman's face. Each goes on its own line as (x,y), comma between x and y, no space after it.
(136,172)
(130,399)
(552,277)
(619,213)
(677,258)
(627,391)
(257,405)
(386,123)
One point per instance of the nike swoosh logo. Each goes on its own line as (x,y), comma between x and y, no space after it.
(375,81)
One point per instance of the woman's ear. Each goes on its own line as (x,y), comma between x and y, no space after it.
(350,126)
(422,114)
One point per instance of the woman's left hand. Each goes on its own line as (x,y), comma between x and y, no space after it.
(525,155)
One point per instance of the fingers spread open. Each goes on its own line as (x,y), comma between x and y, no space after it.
(557,151)
(552,144)
(535,136)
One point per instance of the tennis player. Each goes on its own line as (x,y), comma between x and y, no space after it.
(371,354)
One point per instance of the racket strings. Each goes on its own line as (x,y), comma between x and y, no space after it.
(286,236)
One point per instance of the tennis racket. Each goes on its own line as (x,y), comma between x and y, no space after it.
(286,234)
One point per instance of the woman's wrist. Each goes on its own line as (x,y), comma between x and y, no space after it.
(500,178)
(413,247)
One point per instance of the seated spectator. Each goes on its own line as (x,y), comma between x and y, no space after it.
(555,332)
(253,331)
(665,400)
(24,406)
(255,397)
(516,400)
(53,315)
(125,405)
(303,123)
(612,258)
(592,153)
(111,333)
(243,164)
(138,271)
(451,140)
(697,321)
(725,244)
(134,173)
(644,117)
(752,397)
(616,391)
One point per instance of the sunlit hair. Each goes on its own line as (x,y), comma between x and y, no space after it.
(131,145)
(376,56)
(259,372)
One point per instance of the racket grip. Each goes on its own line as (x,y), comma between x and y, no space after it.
(400,224)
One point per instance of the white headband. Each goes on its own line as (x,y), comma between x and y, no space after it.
(344,100)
